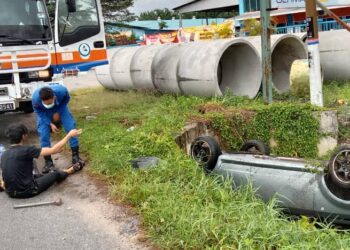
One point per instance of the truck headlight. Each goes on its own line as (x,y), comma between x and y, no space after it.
(39,74)
(44,74)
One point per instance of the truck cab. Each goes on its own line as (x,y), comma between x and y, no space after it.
(39,49)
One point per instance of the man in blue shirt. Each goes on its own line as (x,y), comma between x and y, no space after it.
(51,106)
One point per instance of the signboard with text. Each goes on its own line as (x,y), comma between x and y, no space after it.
(280,4)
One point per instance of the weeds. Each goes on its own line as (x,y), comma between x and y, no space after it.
(181,207)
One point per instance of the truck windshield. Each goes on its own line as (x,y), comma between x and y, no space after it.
(25,20)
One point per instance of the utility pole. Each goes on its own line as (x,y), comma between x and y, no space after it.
(265,7)
(316,93)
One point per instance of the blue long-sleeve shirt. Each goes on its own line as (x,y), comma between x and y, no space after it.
(61,101)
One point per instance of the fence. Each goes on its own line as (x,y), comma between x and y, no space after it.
(322,25)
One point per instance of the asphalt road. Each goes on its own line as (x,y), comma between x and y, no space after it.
(85,220)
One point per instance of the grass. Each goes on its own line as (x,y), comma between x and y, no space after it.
(181,207)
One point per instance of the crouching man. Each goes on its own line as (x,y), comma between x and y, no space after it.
(17,164)
(51,106)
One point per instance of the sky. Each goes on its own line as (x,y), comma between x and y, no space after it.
(146,5)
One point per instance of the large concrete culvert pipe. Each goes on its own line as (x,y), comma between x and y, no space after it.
(141,66)
(285,49)
(120,66)
(164,68)
(216,67)
(335,54)
(103,73)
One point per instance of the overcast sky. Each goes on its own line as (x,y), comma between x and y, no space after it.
(145,5)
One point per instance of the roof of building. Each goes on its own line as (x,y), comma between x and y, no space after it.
(207,5)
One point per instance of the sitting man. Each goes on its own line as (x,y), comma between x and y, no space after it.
(17,164)
(51,106)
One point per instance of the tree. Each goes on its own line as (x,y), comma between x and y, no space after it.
(209,14)
(164,14)
(162,25)
(117,10)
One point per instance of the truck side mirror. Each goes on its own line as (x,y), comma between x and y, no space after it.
(72,7)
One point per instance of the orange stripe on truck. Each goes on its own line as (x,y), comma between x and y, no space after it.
(59,58)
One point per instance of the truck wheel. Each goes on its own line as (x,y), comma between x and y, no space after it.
(26,107)
(255,147)
(339,167)
(205,151)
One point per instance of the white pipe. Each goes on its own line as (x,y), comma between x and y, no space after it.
(120,68)
(285,50)
(164,69)
(141,66)
(335,54)
(103,74)
(216,67)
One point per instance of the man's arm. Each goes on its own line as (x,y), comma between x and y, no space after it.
(64,98)
(58,146)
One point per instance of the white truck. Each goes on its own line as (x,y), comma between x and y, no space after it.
(37,49)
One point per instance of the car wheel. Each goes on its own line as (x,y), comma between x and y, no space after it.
(205,151)
(339,167)
(256,147)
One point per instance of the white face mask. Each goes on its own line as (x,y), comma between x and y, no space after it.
(49,106)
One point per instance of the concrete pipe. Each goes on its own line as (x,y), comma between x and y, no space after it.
(302,36)
(300,78)
(335,54)
(216,67)
(103,74)
(164,69)
(120,68)
(141,66)
(285,50)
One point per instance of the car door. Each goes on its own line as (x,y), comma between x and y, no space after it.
(293,186)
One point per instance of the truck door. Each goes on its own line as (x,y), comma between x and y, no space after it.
(79,37)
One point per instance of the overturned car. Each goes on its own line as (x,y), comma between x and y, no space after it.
(301,188)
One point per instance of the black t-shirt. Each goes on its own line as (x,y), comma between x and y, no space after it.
(17,167)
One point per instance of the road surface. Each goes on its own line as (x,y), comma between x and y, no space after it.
(86,220)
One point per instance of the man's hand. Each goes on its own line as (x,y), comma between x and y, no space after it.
(54,128)
(75,132)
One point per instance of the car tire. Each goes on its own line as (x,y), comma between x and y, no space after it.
(205,151)
(339,167)
(255,147)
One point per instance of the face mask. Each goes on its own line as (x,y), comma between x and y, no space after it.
(49,106)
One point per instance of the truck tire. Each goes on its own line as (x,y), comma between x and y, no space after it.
(255,147)
(26,107)
(339,167)
(205,151)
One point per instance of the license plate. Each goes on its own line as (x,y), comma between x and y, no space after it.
(7,107)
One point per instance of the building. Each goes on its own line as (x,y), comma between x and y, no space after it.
(286,20)
(292,20)
(207,5)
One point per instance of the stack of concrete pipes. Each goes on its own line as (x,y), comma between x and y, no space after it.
(334,54)
(201,68)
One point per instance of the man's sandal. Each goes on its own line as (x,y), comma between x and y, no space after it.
(78,166)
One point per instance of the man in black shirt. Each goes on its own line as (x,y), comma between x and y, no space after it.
(17,164)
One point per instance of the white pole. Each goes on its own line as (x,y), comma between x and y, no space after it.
(316,94)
